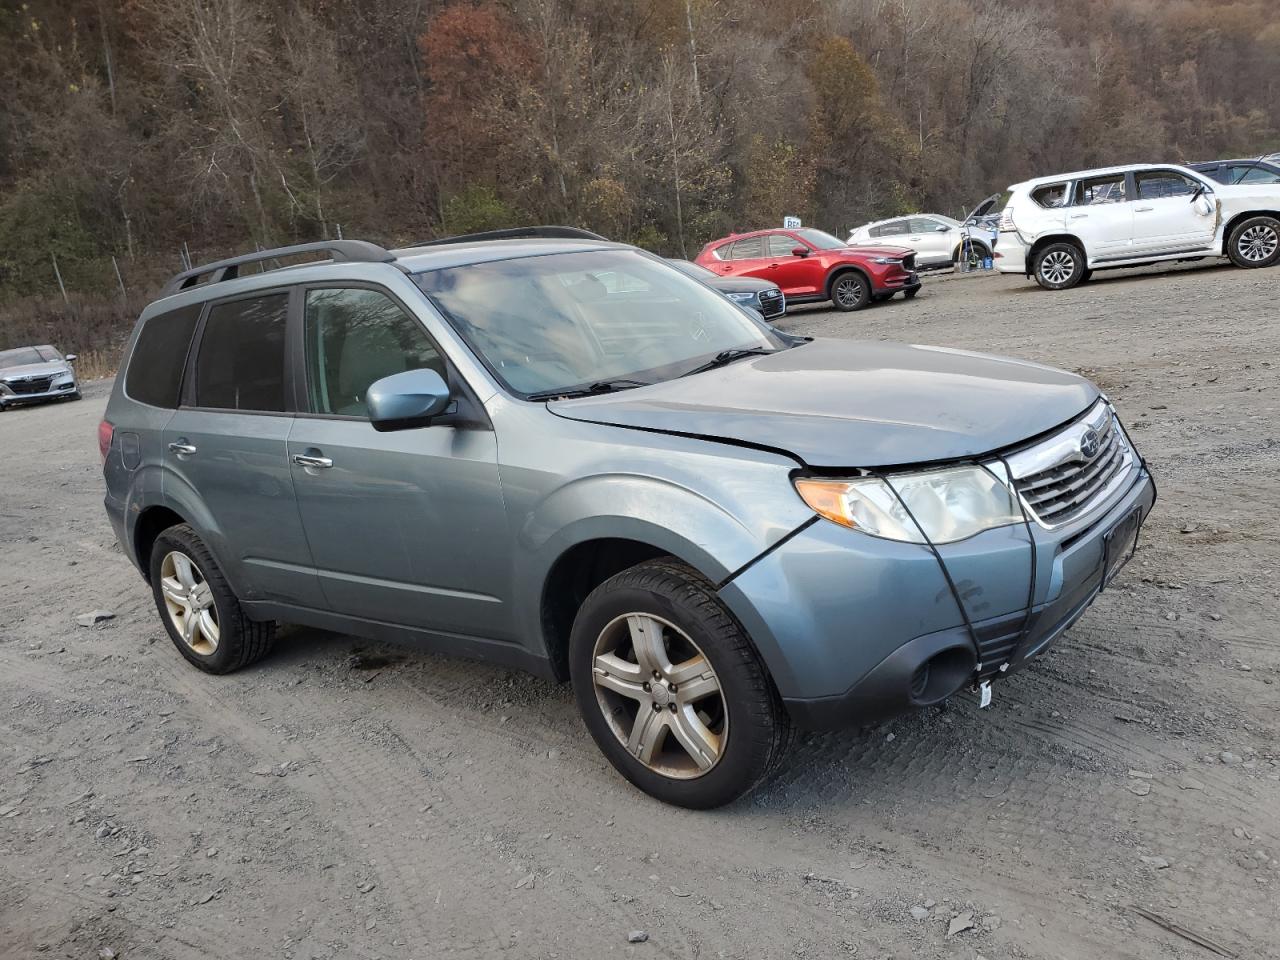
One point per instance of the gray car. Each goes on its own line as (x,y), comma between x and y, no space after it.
(760,295)
(565,456)
(34,374)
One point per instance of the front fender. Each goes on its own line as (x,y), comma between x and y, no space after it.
(687,524)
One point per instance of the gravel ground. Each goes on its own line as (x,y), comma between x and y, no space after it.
(344,799)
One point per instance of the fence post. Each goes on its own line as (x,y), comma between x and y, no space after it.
(124,294)
(58,273)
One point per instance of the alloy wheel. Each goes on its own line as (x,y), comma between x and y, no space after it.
(189,601)
(1057,267)
(848,292)
(1258,243)
(660,695)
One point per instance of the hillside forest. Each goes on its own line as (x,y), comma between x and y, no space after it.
(136,132)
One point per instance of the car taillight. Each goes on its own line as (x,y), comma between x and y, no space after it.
(105,432)
(1006,219)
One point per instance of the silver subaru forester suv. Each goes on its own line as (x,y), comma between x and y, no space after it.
(564,455)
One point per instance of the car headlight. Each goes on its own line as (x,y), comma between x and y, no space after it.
(741,297)
(886,260)
(949,504)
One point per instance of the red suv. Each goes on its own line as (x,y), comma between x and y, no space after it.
(810,266)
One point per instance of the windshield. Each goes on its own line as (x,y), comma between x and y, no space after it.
(569,320)
(820,239)
(22,356)
(692,269)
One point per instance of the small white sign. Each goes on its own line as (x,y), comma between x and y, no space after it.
(791,223)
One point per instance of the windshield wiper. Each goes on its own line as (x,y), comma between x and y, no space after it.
(600,386)
(725,357)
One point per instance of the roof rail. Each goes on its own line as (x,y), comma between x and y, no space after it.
(350,251)
(517,233)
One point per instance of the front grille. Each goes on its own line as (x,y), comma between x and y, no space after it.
(39,385)
(772,303)
(1067,488)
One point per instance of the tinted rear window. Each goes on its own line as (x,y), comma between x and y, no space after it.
(155,369)
(241,361)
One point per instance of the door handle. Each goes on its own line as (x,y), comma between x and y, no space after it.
(773,266)
(307,460)
(182,447)
(1142,209)
(1079,216)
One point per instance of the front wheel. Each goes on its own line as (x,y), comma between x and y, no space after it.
(1059,266)
(850,291)
(1255,242)
(671,689)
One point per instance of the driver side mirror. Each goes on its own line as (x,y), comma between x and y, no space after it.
(70,358)
(407,400)
(799,251)
(941,229)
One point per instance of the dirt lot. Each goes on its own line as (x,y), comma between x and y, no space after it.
(348,800)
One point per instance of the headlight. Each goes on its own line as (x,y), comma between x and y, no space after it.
(886,260)
(741,297)
(949,504)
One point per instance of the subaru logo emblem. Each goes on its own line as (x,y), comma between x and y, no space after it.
(1090,444)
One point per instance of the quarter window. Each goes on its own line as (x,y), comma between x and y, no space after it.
(155,368)
(1155,184)
(1052,196)
(1100,190)
(241,361)
(355,337)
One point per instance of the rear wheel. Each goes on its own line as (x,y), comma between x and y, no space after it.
(671,689)
(1059,266)
(977,252)
(200,612)
(1255,242)
(850,291)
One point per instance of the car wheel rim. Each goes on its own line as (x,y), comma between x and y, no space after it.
(1058,267)
(1258,243)
(848,292)
(660,696)
(189,602)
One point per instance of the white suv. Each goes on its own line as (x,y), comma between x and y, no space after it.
(1060,229)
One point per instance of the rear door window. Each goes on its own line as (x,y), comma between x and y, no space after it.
(355,337)
(924,225)
(748,249)
(891,229)
(241,361)
(1099,190)
(160,355)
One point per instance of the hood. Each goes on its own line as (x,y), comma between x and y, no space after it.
(873,250)
(842,403)
(47,369)
(741,285)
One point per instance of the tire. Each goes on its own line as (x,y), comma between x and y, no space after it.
(910,294)
(977,251)
(735,720)
(850,291)
(1059,266)
(1086,276)
(1255,242)
(222,637)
